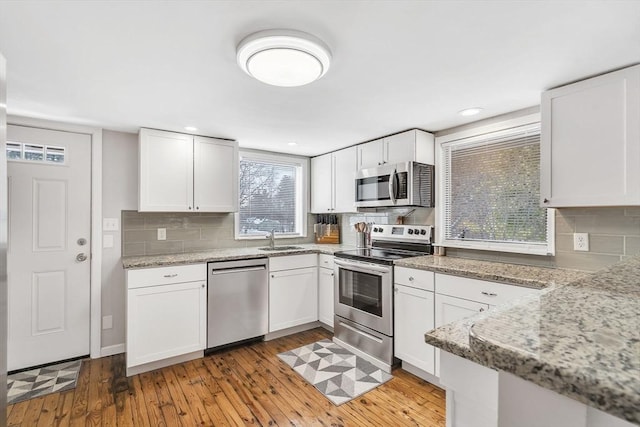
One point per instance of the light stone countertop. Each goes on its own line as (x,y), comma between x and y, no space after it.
(581,340)
(514,274)
(226,254)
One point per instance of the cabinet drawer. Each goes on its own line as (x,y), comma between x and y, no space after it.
(279,263)
(325,261)
(479,290)
(420,279)
(166,275)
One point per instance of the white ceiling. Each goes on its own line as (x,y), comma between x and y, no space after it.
(396,64)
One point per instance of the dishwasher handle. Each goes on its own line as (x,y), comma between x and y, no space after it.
(238,270)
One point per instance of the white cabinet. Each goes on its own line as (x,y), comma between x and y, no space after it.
(333,181)
(412,145)
(325,289)
(293,291)
(590,142)
(413,316)
(166,314)
(186,173)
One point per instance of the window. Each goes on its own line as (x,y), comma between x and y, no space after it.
(17,151)
(272,196)
(490,197)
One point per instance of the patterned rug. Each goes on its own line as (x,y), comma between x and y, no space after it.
(40,381)
(337,373)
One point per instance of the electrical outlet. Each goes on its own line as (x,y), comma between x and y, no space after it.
(107,322)
(581,242)
(162,234)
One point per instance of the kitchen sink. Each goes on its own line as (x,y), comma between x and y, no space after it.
(280,248)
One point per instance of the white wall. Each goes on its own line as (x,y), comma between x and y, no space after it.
(119,192)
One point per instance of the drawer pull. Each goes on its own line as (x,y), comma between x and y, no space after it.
(481,310)
(489,294)
(411,278)
(169,276)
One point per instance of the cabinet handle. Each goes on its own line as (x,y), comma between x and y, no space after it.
(545,200)
(203,285)
(273,276)
(411,278)
(198,207)
(189,207)
(331,274)
(489,294)
(168,276)
(481,310)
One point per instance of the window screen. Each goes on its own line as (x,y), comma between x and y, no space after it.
(269,198)
(492,188)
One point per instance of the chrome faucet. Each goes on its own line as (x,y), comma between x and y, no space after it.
(271,237)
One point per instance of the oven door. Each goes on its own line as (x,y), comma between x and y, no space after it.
(363,294)
(383,186)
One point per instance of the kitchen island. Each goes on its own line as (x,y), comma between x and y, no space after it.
(570,353)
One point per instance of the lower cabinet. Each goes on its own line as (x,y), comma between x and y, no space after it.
(326,288)
(413,317)
(165,320)
(293,291)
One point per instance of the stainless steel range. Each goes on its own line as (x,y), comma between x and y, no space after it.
(363,290)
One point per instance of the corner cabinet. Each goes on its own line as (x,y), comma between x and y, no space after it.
(590,142)
(186,173)
(412,145)
(166,316)
(333,182)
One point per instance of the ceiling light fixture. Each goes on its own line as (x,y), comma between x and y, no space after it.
(292,144)
(285,58)
(470,111)
(190,128)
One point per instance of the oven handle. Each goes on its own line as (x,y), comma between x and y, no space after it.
(392,187)
(363,267)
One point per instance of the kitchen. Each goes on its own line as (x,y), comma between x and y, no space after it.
(612,229)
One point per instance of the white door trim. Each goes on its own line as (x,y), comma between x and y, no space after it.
(96,216)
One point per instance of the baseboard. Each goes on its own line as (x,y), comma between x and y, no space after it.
(151,366)
(110,350)
(292,330)
(412,369)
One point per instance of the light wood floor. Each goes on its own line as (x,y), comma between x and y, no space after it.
(248,385)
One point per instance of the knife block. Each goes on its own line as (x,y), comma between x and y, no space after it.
(327,233)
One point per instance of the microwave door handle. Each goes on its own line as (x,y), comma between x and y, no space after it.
(392,186)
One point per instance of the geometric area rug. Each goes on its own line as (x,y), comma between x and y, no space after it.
(336,372)
(40,381)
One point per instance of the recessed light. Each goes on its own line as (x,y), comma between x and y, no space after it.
(284,58)
(292,143)
(470,111)
(190,128)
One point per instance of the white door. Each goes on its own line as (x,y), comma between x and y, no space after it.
(48,246)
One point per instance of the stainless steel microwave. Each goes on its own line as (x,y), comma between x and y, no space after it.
(401,184)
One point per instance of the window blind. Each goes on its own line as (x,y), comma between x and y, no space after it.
(268,198)
(492,188)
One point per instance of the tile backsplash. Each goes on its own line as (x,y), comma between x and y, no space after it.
(186,233)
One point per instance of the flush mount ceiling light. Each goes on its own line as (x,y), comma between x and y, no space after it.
(470,111)
(190,128)
(283,57)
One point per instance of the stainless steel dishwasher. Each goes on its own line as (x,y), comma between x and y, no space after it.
(237,301)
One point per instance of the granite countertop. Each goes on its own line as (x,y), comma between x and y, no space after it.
(581,340)
(226,254)
(514,274)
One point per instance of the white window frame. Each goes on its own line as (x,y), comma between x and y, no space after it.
(302,191)
(504,127)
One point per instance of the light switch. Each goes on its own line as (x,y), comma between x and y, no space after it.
(110,224)
(162,234)
(107,240)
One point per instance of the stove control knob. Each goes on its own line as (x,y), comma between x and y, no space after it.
(423,232)
(410,231)
(416,231)
(380,229)
(375,229)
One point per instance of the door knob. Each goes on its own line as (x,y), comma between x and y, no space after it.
(81,257)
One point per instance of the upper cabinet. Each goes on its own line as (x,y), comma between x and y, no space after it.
(333,182)
(186,173)
(590,142)
(412,145)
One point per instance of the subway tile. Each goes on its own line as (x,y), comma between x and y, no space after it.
(599,211)
(164,247)
(139,235)
(209,221)
(613,245)
(183,234)
(616,225)
(585,260)
(216,233)
(163,221)
(132,222)
(564,224)
(632,211)
(133,249)
(564,242)
(631,245)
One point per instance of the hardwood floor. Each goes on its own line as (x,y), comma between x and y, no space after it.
(242,386)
